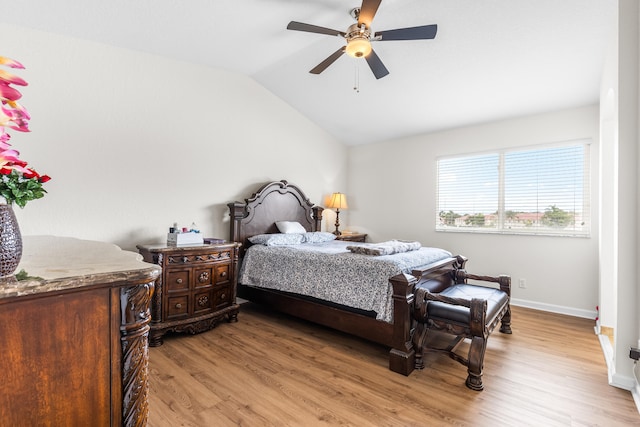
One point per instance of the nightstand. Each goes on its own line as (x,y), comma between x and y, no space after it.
(196,290)
(353,237)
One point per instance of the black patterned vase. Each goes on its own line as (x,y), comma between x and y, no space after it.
(10,241)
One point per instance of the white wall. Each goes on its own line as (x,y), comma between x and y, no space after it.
(392,189)
(134,142)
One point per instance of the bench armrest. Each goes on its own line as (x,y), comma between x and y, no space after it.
(477,308)
(503,281)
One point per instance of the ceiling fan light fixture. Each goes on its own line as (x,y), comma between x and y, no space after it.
(358,47)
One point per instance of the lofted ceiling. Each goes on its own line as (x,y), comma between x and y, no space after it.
(491,59)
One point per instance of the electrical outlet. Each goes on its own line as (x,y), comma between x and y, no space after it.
(634,353)
(522,283)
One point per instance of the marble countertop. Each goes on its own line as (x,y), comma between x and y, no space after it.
(52,263)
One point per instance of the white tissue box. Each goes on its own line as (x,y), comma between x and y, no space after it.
(174,239)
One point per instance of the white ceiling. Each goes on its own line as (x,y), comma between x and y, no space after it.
(491,59)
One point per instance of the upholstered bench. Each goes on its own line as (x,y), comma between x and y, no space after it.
(461,311)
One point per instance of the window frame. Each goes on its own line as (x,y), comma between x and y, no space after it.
(501,226)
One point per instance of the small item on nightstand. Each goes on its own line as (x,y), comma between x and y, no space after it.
(352,237)
(186,238)
(213,241)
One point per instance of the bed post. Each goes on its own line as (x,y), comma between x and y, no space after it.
(237,212)
(402,355)
(462,261)
(317,218)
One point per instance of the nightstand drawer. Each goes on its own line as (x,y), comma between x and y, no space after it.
(178,280)
(222,297)
(177,306)
(203,277)
(203,301)
(222,274)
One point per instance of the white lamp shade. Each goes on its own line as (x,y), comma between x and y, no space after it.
(338,201)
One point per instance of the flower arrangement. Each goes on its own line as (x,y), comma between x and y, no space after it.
(18,182)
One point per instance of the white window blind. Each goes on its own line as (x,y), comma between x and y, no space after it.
(543,190)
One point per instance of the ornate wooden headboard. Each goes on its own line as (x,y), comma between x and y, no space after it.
(275,201)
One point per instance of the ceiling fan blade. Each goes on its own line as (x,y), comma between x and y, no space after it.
(412,33)
(299,26)
(368,11)
(376,65)
(330,60)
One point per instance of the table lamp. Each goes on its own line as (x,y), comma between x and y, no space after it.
(338,201)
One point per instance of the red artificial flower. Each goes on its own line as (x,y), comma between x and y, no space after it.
(15,116)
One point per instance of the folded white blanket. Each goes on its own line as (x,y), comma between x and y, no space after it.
(385,248)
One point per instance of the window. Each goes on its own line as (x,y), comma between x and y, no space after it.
(542,190)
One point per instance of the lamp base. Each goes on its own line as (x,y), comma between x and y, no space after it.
(337,232)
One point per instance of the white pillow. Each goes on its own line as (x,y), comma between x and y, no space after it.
(318,237)
(288,227)
(277,239)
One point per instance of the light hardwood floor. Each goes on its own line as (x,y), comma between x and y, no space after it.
(273,370)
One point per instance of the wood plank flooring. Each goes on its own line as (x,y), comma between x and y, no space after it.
(273,370)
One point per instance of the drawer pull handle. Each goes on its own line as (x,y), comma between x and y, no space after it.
(223,296)
(223,274)
(178,305)
(203,301)
(185,259)
(179,281)
(204,277)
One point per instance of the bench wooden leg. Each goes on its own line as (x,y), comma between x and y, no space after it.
(419,337)
(505,326)
(476,363)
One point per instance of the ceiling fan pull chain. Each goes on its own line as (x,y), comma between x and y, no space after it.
(356,78)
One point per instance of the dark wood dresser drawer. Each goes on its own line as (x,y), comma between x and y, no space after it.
(222,273)
(203,277)
(177,306)
(177,280)
(222,297)
(203,301)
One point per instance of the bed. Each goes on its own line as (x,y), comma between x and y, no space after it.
(282,201)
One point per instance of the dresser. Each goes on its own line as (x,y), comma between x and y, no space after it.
(196,290)
(73,328)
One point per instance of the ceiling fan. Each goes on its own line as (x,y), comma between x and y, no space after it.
(359,37)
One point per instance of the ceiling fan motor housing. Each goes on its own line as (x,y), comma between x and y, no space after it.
(358,44)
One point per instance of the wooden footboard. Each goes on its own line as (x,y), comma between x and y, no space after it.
(436,276)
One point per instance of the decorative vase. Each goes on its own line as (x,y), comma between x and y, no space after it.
(10,241)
